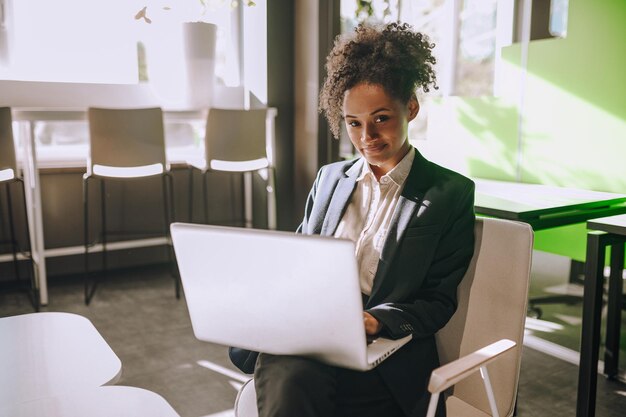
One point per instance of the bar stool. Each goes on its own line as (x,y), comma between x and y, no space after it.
(240,141)
(125,144)
(8,177)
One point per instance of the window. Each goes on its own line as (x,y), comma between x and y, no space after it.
(467,35)
(67,40)
(139,43)
(74,40)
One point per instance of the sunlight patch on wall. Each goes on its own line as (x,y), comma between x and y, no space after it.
(571,142)
(475,136)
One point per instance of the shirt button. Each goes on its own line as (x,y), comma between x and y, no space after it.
(384,180)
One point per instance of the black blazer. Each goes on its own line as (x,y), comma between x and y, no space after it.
(429,246)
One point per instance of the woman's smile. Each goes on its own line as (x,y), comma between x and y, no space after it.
(372,149)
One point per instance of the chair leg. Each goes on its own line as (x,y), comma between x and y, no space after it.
(103,214)
(176,274)
(190,194)
(89,292)
(166,185)
(169,216)
(33,279)
(14,248)
(205,192)
(234,189)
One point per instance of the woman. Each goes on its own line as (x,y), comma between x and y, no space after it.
(412,221)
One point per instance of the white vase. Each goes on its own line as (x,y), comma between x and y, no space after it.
(181,63)
(199,46)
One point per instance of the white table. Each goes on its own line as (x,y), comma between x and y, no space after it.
(49,354)
(118,401)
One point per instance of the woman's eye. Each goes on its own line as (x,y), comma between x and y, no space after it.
(381,118)
(353,123)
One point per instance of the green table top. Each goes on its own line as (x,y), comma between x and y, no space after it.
(544,206)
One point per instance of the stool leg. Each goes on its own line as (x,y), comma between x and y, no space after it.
(103,221)
(236,187)
(12,231)
(248,198)
(33,280)
(168,201)
(175,273)
(205,193)
(166,210)
(190,194)
(89,293)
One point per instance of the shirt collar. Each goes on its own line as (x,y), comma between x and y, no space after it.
(398,174)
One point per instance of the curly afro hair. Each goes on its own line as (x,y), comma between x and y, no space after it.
(393,56)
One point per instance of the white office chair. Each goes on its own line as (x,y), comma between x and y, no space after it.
(240,141)
(9,175)
(125,144)
(488,325)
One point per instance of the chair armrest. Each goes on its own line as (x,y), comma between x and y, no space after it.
(449,374)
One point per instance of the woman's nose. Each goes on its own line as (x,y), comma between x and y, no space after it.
(368,133)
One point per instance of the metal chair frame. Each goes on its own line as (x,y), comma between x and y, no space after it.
(9,165)
(247,155)
(33,292)
(167,185)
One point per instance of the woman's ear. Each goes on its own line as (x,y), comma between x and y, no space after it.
(413,107)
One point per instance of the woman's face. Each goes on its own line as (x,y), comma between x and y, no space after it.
(377,125)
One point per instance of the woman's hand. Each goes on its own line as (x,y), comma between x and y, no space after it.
(372,326)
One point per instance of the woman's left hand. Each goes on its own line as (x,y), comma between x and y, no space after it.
(372,325)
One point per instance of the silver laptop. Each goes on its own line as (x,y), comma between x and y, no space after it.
(276,292)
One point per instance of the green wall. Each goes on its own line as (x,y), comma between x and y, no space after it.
(574,116)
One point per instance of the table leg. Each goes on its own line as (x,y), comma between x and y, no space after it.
(590,337)
(614,313)
(32,192)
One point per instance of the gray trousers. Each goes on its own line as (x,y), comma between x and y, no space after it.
(290,386)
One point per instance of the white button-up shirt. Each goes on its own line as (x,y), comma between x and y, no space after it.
(368,215)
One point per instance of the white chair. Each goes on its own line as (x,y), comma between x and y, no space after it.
(240,141)
(51,354)
(488,325)
(8,177)
(107,401)
(125,144)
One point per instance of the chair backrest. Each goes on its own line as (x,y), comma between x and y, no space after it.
(126,137)
(238,136)
(7,147)
(492,299)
